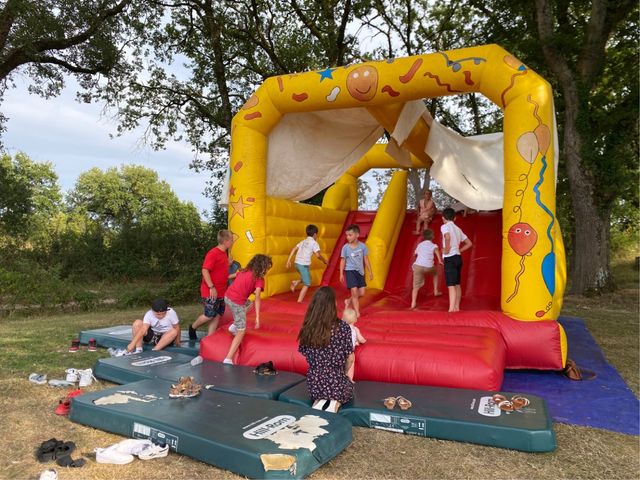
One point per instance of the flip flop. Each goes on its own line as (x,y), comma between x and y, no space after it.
(390,402)
(404,404)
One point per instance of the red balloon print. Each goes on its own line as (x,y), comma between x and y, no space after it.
(522,237)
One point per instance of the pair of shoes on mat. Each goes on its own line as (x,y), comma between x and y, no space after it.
(403,403)
(185,388)
(516,402)
(38,378)
(64,405)
(326,405)
(123,452)
(265,369)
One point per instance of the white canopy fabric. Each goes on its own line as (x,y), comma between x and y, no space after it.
(310,151)
(470,169)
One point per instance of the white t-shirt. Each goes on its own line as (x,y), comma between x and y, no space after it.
(161,325)
(424,252)
(306,248)
(456,237)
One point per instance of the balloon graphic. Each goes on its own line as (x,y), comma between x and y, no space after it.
(544,138)
(528,146)
(549,272)
(522,237)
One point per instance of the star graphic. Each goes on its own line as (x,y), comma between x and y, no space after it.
(238,207)
(232,191)
(327,73)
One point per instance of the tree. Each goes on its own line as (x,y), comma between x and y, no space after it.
(29,195)
(46,40)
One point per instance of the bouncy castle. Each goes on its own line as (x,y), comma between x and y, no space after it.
(301,133)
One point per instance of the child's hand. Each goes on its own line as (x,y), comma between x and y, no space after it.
(288,263)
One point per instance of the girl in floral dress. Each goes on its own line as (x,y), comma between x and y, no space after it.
(325,341)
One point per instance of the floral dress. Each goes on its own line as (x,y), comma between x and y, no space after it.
(326,378)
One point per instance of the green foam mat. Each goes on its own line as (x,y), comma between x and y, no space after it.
(446,413)
(253,437)
(131,368)
(119,336)
(236,379)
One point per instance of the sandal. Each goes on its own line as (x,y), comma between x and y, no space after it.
(67,461)
(404,404)
(390,402)
(265,368)
(47,450)
(186,388)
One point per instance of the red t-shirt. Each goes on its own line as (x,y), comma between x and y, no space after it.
(217,262)
(243,286)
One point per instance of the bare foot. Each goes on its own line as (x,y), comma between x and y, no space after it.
(294,284)
(437,294)
(412,307)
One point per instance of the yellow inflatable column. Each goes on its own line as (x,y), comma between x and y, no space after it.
(386,228)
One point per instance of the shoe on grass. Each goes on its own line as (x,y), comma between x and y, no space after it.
(92,345)
(132,446)
(64,405)
(50,474)
(54,382)
(72,375)
(75,345)
(154,451)
(112,455)
(38,378)
(86,377)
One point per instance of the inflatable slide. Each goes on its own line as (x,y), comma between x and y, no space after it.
(301,133)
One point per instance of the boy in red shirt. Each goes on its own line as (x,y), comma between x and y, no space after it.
(215,273)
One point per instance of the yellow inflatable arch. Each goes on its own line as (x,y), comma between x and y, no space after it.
(533,263)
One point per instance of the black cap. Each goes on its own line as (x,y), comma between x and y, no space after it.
(159,305)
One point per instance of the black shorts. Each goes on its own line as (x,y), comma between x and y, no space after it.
(152,337)
(452,269)
(354,279)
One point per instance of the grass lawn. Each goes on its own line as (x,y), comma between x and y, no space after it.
(40,343)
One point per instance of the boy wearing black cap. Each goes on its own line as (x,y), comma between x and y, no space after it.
(159,327)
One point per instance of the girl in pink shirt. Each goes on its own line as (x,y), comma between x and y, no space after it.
(248,280)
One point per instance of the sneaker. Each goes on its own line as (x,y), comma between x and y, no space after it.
(192,333)
(72,375)
(65,404)
(154,451)
(233,329)
(196,361)
(93,345)
(38,378)
(50,474)
(86,377)
(112,455)
(75,345)
(132,446)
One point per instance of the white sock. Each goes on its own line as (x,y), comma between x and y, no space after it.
(228,361)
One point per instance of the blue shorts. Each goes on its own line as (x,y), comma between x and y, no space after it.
(354,279)
(213,308)
(305,274)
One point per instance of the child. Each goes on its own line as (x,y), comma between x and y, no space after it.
(305,249)
(325,341)
(452,236)
(248,280)
(159,327)
(354,261)
(349,316)
(426,211)
(424,266)
(215,275)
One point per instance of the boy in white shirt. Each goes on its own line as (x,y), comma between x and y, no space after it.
(452,237)
(159,327)
(424,265)
(306,248)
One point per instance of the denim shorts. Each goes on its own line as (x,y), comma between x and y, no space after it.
(239,313)
(213,308)
(305,275)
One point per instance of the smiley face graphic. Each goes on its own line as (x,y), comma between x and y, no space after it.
(362,83)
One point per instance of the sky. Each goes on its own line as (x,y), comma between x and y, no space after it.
(74,137)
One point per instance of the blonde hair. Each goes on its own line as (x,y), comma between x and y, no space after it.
(224,235)
(349,316)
